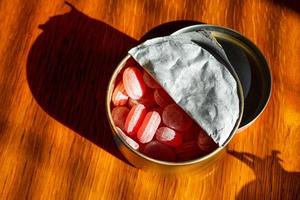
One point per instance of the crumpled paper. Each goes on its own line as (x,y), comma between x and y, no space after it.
(191,67)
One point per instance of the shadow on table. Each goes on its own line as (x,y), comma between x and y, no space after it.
(272,181)
(291,4)
(69,67)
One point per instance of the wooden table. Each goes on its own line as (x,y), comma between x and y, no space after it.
(55,63)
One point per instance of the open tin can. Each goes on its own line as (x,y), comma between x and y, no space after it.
(204,164)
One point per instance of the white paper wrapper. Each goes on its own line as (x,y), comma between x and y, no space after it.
(196,79)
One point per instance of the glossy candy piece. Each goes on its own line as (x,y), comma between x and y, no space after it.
(127,139)
(134,119)
(149,81)
(149,126)
(205,143)
(168,136)
(174,117)
(188,151)
(119,96)
(119,115)
(159,151)
(160,111)
(133,82)
(162,98)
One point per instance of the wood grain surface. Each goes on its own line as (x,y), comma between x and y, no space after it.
(55,63)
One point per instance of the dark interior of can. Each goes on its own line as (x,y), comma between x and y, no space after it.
(254,77)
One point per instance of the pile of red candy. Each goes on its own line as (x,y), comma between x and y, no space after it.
(149,120)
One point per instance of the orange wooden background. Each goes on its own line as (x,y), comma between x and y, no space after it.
(55,63)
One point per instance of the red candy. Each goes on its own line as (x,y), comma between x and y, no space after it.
(174,117)
(133,82)
(127,139)
(153,113)
(149,81)
(160,111)
(119,97)
(134,119)
(205,143)
(159,151)
(149,126)
(168,136)
(162,98)
(119,115)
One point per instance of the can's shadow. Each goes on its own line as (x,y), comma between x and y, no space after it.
(68,69)
(272,181)
(290,4)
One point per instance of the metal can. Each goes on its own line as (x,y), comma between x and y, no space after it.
(207,163)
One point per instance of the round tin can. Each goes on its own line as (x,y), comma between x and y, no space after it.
(253,77)
(250,66)
(202,165)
